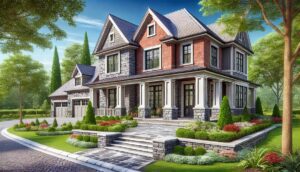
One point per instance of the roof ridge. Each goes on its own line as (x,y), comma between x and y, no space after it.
(174,12)
(123,19)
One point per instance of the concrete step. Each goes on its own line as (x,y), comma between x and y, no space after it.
(134,148)
(161,123)
(134,152)
(144,145)
(139,140)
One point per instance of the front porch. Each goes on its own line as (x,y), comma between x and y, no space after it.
(175,98)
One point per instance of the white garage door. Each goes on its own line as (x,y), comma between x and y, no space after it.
(80,107)
(61,109)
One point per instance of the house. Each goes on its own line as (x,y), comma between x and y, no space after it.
(170,66)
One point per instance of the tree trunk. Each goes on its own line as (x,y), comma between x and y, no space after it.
(20,106)
(287,98)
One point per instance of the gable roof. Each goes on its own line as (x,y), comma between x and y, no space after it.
(218,28)
(125,28)
(84,70)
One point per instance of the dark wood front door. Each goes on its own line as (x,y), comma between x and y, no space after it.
(189,99)
(155,100)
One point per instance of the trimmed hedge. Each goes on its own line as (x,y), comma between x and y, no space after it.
(115,128)
(47,133)
(82,144)
(25,111)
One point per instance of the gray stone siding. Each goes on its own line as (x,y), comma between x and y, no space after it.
(127,66)
(102,98)
(130,100)
(144,113)
(202,114)
(169,114)
(163,146)
(118,38)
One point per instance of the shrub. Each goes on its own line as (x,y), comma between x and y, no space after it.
(47,133)
(276,112)
(291,163)
(255,159)
(258,107)
(69,126)
(98,118)
(246,117)
(225,113)
(236,118)
(188,150)
(54,123)
(51,129)
(178,150)
(80,137)
(86,138)
(105,118)
(32,123)
(109,122)
(82,144)
(180,132)
(43,125)
(256,121)
(128,117)
(116,128)
(77,125)
(277,119)
(200,151)
(273,158)
(222,137)
(92,127)
(89,117)
(44,122)
(202,135)
(231,128)
(84,127)
(94,139)
(102,128)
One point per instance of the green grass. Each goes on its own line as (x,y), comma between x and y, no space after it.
(273,141)
(58,142)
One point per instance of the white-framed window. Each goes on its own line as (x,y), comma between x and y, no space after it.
(111,37)
(240,96)
(186,53)
(214,56)
(112,63)
(77,81)
(240,62)
(152,58)
(151,30)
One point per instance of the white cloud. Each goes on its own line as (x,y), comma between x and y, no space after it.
(88,22)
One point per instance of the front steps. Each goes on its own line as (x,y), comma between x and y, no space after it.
(160,121)
(133,144)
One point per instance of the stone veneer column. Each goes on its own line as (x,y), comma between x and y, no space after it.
(201,111)
(120,108)
(217,97)
(170,111)
(144,110)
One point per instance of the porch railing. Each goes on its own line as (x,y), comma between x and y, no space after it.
(105,111)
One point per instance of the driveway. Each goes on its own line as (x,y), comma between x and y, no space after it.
(16,157)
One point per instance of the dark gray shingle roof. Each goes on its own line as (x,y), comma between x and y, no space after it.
(86,69)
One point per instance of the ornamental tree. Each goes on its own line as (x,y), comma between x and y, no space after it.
(85,56)
(225,113)
(258,107)
(276,112)
(89,117)
(55,73)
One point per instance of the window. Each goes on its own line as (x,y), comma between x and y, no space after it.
(239,61)
(186,54)
(76,102)
(85,102)
(151,29)
(77,81)
(112,63)
(155,96)
(214,56)
(111,37)
(240,96)
(152,59)
(111,98)
(64,104)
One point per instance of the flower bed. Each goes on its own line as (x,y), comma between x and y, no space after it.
(83,141)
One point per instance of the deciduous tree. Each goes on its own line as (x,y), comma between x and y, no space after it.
(72,56)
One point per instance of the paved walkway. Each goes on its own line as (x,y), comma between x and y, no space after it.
(153,130)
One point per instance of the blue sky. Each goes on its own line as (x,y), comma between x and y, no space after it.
(92,18)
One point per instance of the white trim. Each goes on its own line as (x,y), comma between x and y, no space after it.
(182,96)
(181,53)
(154,28)
(244,60)
(118,29)
(80,98)
(144,61)
(113,34)
(119,60)
(76,68)
(218,55)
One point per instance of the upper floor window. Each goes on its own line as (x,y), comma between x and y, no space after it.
(77,81)
(152,59)
(112,63)
(151,29)
(186,53)
(240,62)
(240,96)
(112,98)
(111,37)
(214,56)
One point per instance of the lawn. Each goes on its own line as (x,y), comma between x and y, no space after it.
(273,141)
(58,142)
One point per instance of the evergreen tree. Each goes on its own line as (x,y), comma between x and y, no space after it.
(258,107)
(54,123)
(85,56)
(89,117)
(225,113)
(55,73)
(276,112)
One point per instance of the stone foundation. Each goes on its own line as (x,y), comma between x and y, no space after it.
(163,146)
(202,114)
(144,113)
(169,114)
(120,111)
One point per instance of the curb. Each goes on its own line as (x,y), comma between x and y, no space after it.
(78,159)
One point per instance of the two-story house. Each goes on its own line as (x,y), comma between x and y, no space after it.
(170,66)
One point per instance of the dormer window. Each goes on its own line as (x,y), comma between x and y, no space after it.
(151,29)
(214,55)
(77,81)
(111,37)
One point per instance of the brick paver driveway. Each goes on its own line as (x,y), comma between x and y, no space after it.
(16,157)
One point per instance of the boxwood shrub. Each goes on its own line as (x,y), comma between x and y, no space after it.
(86,138)
(186,133)
(200,151)
(202,135)
(189,151)
(178,150)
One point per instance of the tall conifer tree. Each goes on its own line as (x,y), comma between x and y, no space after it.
(85,56)
(55,73)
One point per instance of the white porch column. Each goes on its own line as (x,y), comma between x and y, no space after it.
(170,110)
(232,95)
(144,111)
(201,92)
(218,94)
(120,96)
(93,97)
(254,98)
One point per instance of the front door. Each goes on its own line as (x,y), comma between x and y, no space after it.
(189,99)
(155,100)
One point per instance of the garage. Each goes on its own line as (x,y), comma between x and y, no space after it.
(79,107)
(61,109)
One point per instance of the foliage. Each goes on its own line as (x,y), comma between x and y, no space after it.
(200,151)
(81,144)
(52,133)
(33,17)
(236,118)
(85,56)
(94,139)
(188,150)
(255,159)
(258,107)
(55,82)
(54,124)
(25,74)
(117,128)
(272,158)
(178,150)
(202,135)
(51,129)
(44,122)
(291,163)
(225,113)
(276,112)
(72,55)
(231,128)
(45,106)
(89,114)
(187,133)
(109,123)
(86,138)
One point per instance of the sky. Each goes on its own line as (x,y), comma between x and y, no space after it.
(92,19)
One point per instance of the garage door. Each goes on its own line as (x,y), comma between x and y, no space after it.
(61,109)
(80,107)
